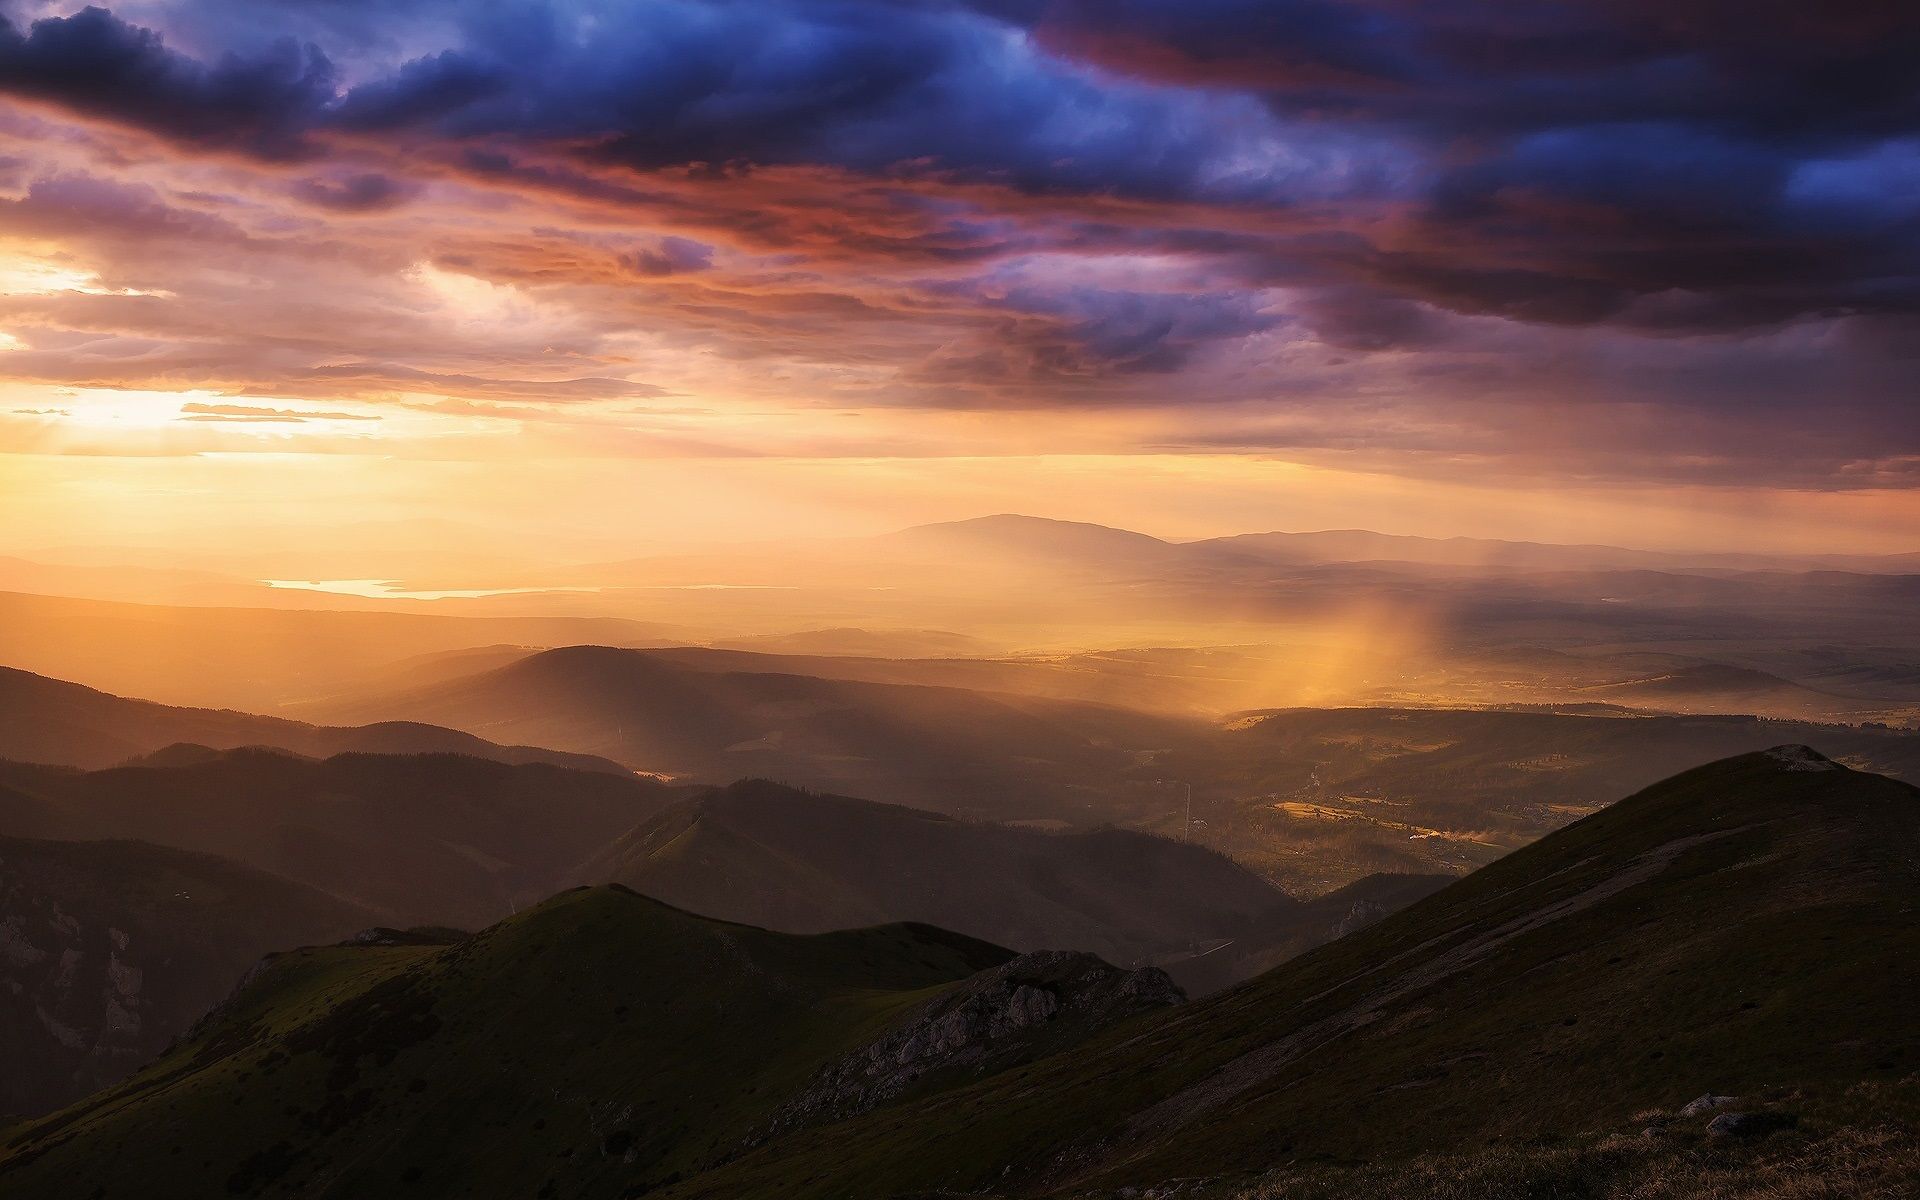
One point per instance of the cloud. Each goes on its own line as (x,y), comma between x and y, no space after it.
(1084,331)
(366,191)
(97,65)
(1426,221)
(1669,168)
(672,256)
(197,410)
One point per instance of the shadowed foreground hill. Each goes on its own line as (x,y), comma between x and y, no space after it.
(1746,929)
(424,839)
(1748,925)
(51,721)
(801,862)
(601,1044)
(108,950)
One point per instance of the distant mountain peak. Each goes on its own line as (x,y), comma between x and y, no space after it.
(1019,525)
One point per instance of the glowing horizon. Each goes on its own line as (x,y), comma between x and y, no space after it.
(588,277)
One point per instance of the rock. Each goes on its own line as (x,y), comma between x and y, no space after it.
(1802,758)
(380,935)
(1705,1104)
(1362,914)
(1034,1003)
(1749,1125)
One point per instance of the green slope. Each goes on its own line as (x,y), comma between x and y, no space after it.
(598,1043)
(1748,929)
(1747,925)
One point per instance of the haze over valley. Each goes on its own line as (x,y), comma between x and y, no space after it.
(1126,773)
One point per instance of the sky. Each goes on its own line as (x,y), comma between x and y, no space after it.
(668,270)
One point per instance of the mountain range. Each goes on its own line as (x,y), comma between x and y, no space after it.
(950,748)
(601,1042)
(51,721)
(767,855)
(1743,930)
(1174,627)
(1742,934)
(311,849)
(417,839)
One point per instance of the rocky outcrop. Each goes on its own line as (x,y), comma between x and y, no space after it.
(108,950)
(1033,1005)
(1802,758)
(1362,914)
(1750,1124)
(73,1001)
(1705,1104)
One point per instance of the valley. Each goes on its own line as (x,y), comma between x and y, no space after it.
(1038,920)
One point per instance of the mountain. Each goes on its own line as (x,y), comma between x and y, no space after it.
(1364,545)
(1718,687)
(1013,540)
(1312,799)
(1317,797)
(764,854)
(602,1044)
(51,721)
(1222,680)
(942,747)
(421,839)
(259,657)
(1745,929)
(867,643)
(109,950)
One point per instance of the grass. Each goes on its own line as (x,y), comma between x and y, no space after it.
(1777,950)
(1873,1155)
(1746,929)
(599,1044)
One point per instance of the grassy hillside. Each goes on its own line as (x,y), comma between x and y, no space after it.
(109,950)
(424,839)
(1745,927)
(599,1044)
(802,862)
(51,721)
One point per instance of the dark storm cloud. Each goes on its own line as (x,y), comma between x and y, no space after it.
(1690,165)
(1358,319)
(1056,333)
(1697,204)
(99,66)
(725,85)
(1669,166)
(1484,67)
(1086,331)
